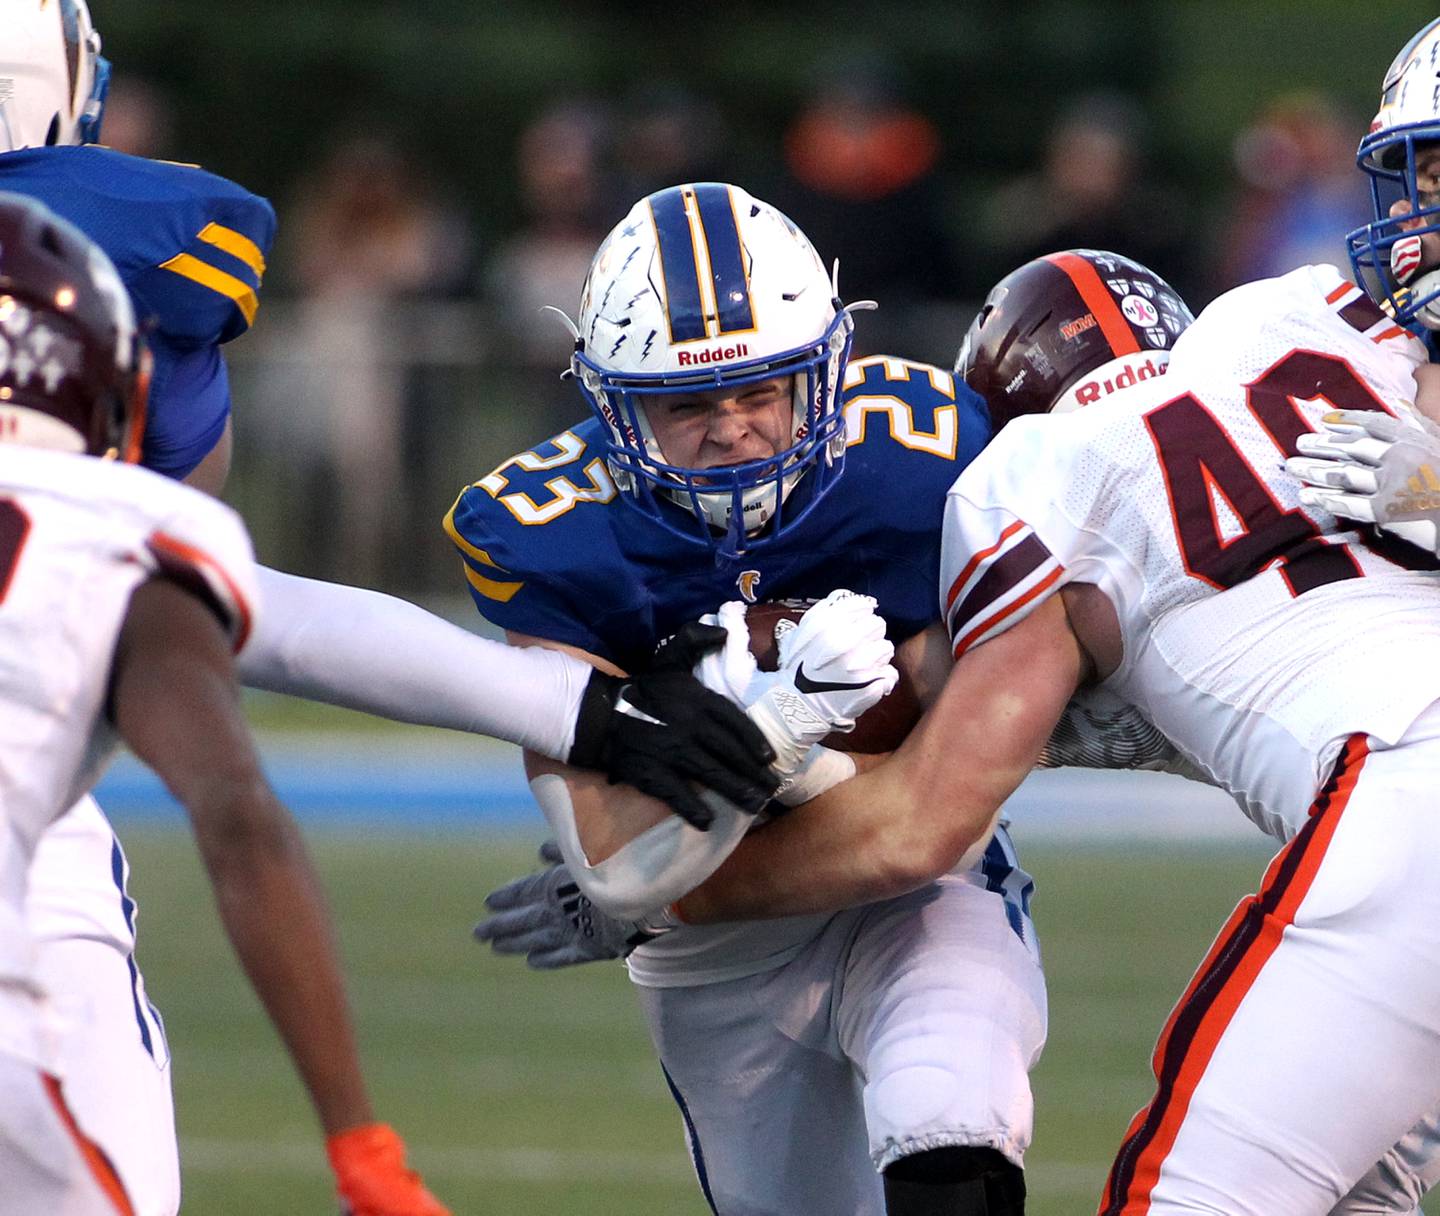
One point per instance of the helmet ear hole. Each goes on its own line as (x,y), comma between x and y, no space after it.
(1035,329)
(50,242)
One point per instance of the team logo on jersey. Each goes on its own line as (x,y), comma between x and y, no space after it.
(1139,311)
(747,582)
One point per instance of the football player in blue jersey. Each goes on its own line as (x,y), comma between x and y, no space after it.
(871,1061)
(909,1022)
(190,248)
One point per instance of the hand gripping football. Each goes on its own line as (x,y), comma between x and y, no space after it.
(882,728)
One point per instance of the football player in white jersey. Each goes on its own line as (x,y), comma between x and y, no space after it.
(1377,470)
(1153,544)
(122,598)
(390,657)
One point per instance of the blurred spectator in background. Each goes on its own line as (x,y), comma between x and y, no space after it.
(861,178)
(139,119)
(1094,190)
(568,208)
(364,233)
(1299,193)
(667,135)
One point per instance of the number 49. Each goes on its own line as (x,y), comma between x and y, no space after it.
(1200,460)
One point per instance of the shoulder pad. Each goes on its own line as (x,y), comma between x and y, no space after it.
(916,406)
(190,246)
(529,535)
(184,535)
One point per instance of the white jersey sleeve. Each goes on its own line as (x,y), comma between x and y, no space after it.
(1257,636)
(201,544)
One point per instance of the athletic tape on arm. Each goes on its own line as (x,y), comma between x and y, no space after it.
(654,869)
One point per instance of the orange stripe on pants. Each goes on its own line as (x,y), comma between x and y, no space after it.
(1198,1022)
(95,1158)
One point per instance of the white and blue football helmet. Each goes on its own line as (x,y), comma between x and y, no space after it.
(1386,257)
(704,287)
(53,79)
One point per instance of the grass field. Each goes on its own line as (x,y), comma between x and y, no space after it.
(537,1094)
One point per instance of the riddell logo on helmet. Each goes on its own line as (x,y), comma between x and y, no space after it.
(689,358)
(1132,373)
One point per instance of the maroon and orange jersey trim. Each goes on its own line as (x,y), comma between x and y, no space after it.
(178,556)
(1199,1021)
(95,1159)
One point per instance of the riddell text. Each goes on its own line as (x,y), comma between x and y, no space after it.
(1091,391)
(687,358)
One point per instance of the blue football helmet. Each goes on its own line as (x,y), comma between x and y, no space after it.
(1387,257)
(704,287)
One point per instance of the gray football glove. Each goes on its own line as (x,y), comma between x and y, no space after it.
(547,918)
(1367,466)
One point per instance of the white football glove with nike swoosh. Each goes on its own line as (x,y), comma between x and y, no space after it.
(1371,467)
(835,663)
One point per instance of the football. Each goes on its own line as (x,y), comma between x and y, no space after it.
(882,728)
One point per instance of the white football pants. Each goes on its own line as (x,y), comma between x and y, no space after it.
(903,1026)
(112,1055)
(1307,1047)
(47,1163)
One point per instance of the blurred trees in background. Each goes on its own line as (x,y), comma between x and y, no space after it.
(972,133)
(261,88)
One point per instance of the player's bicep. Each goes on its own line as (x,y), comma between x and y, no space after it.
(174,699)
(925,663)
(986,730)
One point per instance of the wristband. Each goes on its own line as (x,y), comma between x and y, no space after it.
(823,768)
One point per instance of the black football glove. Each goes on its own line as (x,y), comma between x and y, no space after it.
(662,729)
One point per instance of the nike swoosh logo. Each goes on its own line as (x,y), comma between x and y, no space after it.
(804,683)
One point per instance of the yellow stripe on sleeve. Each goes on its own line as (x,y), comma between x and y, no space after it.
(491,589)
(236,244)
(465,547)
(192,268)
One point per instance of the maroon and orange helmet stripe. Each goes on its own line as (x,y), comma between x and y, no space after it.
(1099,300)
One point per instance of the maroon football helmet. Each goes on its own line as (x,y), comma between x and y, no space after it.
(73,369)
(1066,330)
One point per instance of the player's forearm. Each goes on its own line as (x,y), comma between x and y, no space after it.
(371,652)
(626,851)
(275,917)
(874,837)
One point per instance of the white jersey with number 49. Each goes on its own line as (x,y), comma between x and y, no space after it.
(77,537)
(1256,635)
